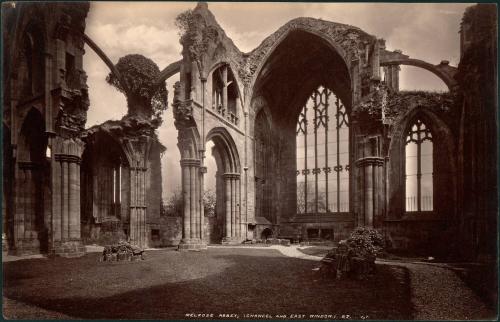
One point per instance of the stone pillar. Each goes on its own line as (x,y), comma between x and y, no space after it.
(56,201)
(368,191)
(201,190)
(193,202)
(65,198)
(239,227)
(395,77)
(388,75)
(186,224)
(224,89)
(66,211)
(376,61)
(369,169)
(227,201)
(233,206)
(138,229)
(191,195)
(74,202)
(233,222)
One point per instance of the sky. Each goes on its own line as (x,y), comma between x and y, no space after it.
(423,31)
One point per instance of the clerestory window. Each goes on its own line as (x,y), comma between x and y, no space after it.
(419,168)
(323,155)
(225,94)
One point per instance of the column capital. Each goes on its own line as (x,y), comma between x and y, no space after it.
(62,146)
(190,163)
(378,161)
(67,158)
(231,175)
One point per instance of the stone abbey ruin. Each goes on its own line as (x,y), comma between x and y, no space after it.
(311,136)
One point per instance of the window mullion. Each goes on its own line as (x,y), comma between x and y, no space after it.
(419,169)
(337,103)
(315,171)
(327,94)
(305,159)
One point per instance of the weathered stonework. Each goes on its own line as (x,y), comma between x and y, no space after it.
(46,101)
(65,186)
(379,116)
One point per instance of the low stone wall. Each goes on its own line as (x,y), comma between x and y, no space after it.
(170,230)
(340,230)
(427,238)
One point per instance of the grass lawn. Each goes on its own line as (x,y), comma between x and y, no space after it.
(170,284)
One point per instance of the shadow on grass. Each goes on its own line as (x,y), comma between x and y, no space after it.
(170,285)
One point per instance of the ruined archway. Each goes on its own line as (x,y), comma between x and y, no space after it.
(228,221)
(105,177)
(300,64)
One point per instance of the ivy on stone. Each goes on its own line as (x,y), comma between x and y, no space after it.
(145,97)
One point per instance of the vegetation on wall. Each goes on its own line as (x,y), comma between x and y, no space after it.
(195,35)
(145,97)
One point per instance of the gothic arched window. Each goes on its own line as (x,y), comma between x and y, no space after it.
(323,155)
(225,94)
(419,168)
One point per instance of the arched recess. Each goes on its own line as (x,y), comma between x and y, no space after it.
(30,62)
(226,147)
(444,167)
(28,20)
(105,192)
(32,184)
(225,96)
(229,222)
(299,64)
(314,27)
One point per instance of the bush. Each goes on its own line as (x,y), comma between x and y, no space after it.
(365,242)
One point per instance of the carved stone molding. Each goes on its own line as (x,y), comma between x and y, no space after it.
(190,163)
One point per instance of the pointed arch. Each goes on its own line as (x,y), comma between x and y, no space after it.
(419,185)
(32,141)
(306,59)
(224,89)
(443,165)
(226,148)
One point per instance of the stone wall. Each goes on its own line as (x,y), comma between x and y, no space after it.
(478,133)
(171,230)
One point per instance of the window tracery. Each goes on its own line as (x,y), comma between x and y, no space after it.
(323,155)
(419,168)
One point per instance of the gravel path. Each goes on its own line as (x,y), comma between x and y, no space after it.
(439,294)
